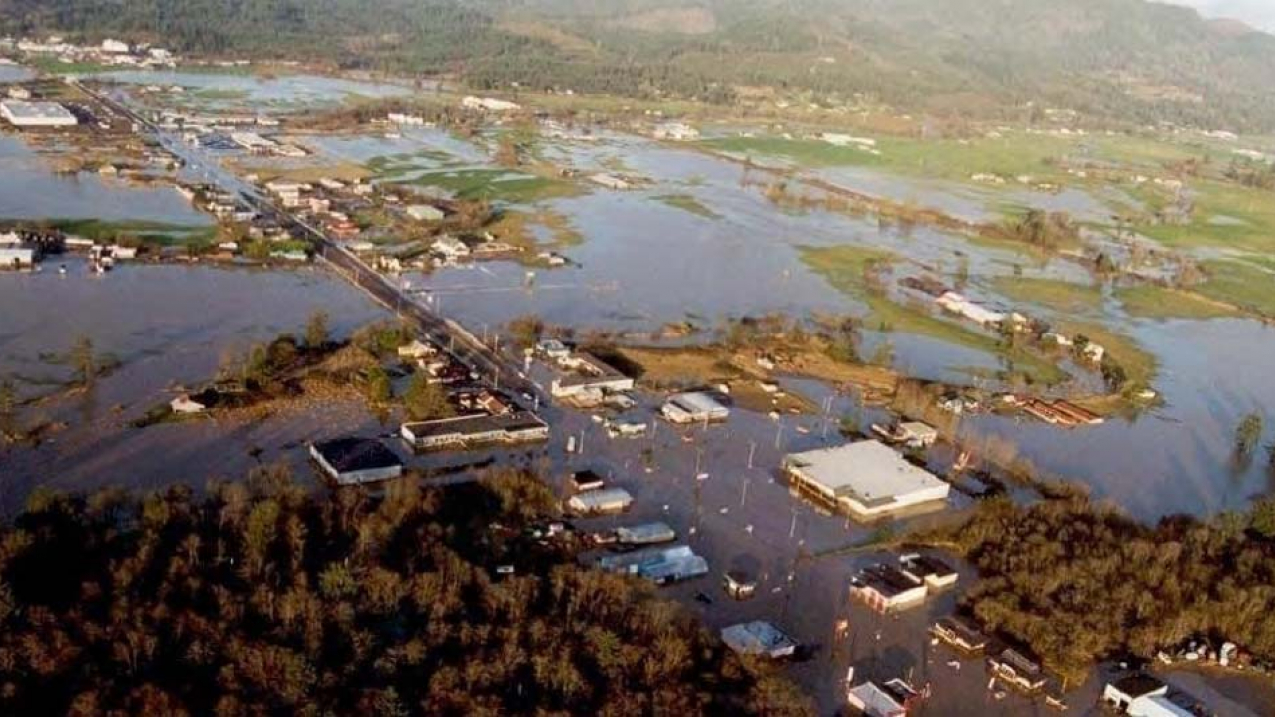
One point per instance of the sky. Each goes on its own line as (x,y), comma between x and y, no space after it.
(1258,13)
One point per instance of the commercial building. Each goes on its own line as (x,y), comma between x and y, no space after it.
(463,431)
(600,501)
(867,479)
(351,461)
(697,407)
(662,566)
(37,114)
(759,638)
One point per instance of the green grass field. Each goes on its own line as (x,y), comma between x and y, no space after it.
(152,232)
(1249,287)
(498,185)
(1226,215)
(1061,296)
(1156,302)
(1140,366)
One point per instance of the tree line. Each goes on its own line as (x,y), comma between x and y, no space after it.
(1079,582)
(265,598)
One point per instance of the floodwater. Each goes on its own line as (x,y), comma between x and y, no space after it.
(643,263)
(280,93)
(168,326)
(1178,458)
(30,190)
(15,73)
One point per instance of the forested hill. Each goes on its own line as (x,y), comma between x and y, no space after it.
(1126,59)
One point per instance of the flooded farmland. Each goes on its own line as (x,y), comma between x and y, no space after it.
(168,327)
(250,92)
(696,241)
(31,190)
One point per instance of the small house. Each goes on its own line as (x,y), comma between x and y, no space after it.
(185,405)
(739,584)
(759,638)
(600,502)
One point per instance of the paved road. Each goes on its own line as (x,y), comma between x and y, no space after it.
(480,358)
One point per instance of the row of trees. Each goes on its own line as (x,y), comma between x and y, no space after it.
(265,598)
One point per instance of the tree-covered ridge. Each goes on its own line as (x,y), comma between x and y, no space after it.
(264,598)
(1127,59)
(1078,582)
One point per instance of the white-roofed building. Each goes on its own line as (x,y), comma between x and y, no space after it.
(697,407)
(867,479)
(37,114)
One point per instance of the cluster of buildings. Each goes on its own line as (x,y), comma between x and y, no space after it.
(110,52)
(888,588)
(484,415)
(586,381)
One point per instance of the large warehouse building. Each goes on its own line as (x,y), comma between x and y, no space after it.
(36,114)
(867,479)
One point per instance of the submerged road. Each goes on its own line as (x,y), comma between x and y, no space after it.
(502,372)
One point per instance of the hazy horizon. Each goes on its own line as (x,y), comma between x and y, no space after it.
(1258,13)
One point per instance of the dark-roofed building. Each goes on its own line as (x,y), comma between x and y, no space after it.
(1016,668)
(462,431)
(960,633)
(886,588)
(1124,691)
(352,461)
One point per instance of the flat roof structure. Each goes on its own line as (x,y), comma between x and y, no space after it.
(759,638)
(659,565)
(645,534)
(602,500)
(960,633)
(867,479)
(694,407)
(475,429)
(350,461)
(20,113)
